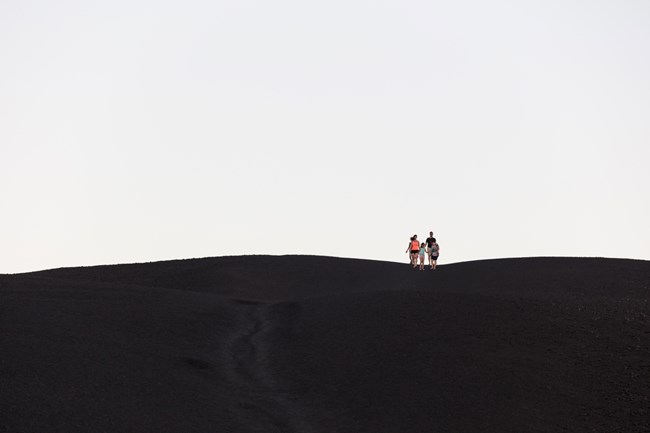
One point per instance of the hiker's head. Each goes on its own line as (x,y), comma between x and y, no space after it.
(431,234)
(415,236)
(422,244)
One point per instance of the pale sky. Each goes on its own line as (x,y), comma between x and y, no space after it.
(142,130)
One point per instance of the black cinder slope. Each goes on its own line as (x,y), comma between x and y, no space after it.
(315,344)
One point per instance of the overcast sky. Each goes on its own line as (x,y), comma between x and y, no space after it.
(144,130)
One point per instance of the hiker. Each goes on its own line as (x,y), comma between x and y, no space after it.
(435,251)
(423,251)
(430,240)
(413,249)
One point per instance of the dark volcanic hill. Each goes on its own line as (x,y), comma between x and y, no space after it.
(301,344)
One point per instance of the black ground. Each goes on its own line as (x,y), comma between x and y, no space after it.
(324,345)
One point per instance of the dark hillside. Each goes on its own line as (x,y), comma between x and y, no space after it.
(315,344)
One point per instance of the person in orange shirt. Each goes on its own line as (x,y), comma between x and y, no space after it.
(414,249)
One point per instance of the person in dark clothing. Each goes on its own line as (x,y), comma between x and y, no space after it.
(435,252)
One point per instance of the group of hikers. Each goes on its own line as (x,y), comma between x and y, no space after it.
(429,248)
